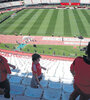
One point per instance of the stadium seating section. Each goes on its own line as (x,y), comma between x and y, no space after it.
(57,81)
(33,2)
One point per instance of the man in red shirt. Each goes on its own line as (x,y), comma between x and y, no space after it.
(4,70)
(80,69)
(36,71)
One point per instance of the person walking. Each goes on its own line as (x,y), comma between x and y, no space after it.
(80,69)
(36,71)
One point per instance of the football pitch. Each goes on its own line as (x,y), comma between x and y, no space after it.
(45,22)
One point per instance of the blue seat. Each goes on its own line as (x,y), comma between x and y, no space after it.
(15,79)
(33,92)
(55,85)
(17,89)
(68,88)
(26,81)
(44,83)
(51,94)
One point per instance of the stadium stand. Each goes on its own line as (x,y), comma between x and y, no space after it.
(85,1)
(28,2)
(55,1)
(75,1)
(65,1)
(31,2)
(62,2)
(10,4)
(16,3)
(55,81)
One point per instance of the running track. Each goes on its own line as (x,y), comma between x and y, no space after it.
(44,40)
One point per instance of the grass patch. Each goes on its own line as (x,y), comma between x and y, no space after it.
(6,14)
(21,25)
(81,27)
(8,46)
(58,50)
(67,28)
(52,23)
(9,22)
(87,16)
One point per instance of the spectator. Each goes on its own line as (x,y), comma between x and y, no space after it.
(80,69)
(36,70)
(4,70)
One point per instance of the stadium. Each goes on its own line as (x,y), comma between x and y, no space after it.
(58,30)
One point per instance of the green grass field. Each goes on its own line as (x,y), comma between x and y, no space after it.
(4,15)
(59,50)
(45,22)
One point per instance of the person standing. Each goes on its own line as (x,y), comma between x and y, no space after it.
(4,70)
(36,71)
(80,69)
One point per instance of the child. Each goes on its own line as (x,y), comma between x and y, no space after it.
(36,71)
